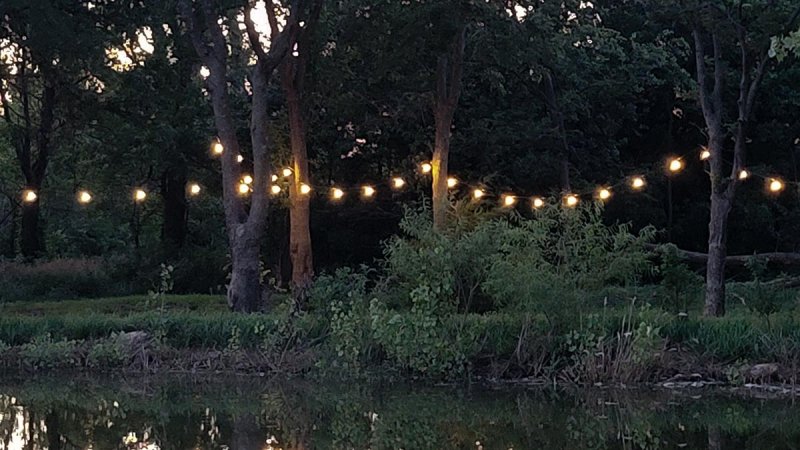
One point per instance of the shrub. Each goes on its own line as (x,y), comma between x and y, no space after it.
(679,285)
(45,353)
(56,279)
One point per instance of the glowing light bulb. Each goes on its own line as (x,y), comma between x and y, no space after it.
(247,179)
(274,178)
(205,72)
(426,167)
(776,185)
(139,195)
(637,183)
(537,202)
(743,174)
(217,148)
(509,200)
(675,165)
(571,200)
(398,182)
(287,172)
(452,182)
(305,189)
(705,154)
(275,189)
(368,191)
(240,159)
(84,197)
(477,194)
(244,189)
(604,193)
(337,193)
(29,196)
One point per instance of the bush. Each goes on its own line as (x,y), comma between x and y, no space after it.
(543,265)
(57,279)
(45,353)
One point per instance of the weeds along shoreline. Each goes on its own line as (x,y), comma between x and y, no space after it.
(630,346)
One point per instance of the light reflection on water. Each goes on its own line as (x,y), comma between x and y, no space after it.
(253,414)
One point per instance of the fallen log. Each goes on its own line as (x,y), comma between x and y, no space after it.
(778,258)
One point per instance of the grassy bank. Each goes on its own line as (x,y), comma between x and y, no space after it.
(198,333)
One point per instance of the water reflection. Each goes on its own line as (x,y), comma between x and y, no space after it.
(248,414)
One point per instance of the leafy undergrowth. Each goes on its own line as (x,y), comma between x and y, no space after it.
(196,333)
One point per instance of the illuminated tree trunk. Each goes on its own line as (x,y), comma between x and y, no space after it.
(299,211)
(449,71)
(245,218)
(293,82)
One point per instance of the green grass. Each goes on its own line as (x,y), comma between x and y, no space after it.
(120,306)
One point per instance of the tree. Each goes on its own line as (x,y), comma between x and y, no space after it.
(293,77)
(449,72)
(754,44)
(45,76)
(245,223)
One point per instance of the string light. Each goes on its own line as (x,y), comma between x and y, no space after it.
(29,196)
(637,183)
(287,172)
(452,182)
(603,194)
(571,200)
(84,197)
(337,193)
(744,174)
(398,182)
(509,200)
(477,194)
(139,195)
(675,165)
(776,185)
(367,191)
(217,148)
(426,168)
(275,189)
(274,178)
(244,189)
(705,154)
(194,189)
(247,179)
(240,159)
(305,189)
(537,202)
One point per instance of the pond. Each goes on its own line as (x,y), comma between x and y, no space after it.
(237,413)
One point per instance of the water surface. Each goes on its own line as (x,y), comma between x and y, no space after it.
(238,413)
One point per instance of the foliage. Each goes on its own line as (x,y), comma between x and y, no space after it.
(57,279)
(679,285)
(43,352)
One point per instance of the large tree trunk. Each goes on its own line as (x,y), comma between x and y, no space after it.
(173,192)
(245,291)
(293,82)
(717,252)
(439,163)
(449,71)
(31,243)
(245,221)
